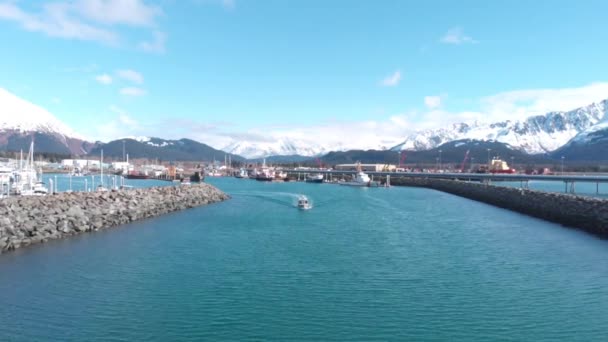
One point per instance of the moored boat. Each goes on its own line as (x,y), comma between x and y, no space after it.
(315,178)
(197,178)
(500,166)
(136,175)
(360,179)
(241,174)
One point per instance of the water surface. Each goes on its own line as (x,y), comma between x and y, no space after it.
(364,264)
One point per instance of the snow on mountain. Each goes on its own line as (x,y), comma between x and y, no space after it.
(156,142)
(22,121)
(23,116)
(280,147)
(591,132)
(537,134)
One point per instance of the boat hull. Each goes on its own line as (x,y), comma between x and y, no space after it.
(318,181)
(264,179)
(361,185)
(137,177)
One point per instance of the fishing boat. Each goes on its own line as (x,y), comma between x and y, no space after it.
(500,166)
(265,175)
(136,175)
(315,178)
(361,179)
(241,174)
(281,176)
(304,203)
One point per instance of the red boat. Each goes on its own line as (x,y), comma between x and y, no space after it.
(500,166)
(136,175)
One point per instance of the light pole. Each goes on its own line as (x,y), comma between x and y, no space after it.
(563,165)
(437,164)
(440,164)
(512,162)
(472,162)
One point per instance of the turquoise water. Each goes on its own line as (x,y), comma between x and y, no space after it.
(401,264)
(64,182)
(580,188)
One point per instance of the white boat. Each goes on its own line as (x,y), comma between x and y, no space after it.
(304,203)
(26,181)
(360,179)
(242,174)
(76,173)
(40,189)
(6,178)
(101,187)
(214,173)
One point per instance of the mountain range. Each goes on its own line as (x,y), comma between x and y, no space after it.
(580,134)
(537,134)
(161,149)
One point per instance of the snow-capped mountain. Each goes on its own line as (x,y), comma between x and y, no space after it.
(279,147)
(537,134)
(158,148)
(589,145)
(20,121)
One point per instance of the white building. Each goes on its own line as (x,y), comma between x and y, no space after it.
(80,163)
(367,167)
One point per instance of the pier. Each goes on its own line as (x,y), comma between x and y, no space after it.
(568,180)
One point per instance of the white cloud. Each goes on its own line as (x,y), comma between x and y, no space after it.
(90,20)
(392,80)
(386,131)
(432,102)
(129,12)
(456,35)
(104,79)
(131,76)
(118,126)
(157,45)
(55,21)
(132,91)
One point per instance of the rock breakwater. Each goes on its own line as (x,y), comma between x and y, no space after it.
(30,220)
(586,213)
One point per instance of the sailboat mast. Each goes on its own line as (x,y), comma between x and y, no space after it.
(101,168)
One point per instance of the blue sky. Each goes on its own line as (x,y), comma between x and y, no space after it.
(215,70)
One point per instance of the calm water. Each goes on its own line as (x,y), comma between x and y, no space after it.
(364,264)
(580,188)
(64,182)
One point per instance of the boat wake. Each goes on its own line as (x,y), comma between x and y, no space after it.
(287,199)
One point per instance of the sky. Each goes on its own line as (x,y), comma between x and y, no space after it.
(330,71)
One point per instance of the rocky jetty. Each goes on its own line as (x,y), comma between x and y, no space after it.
(586,213)
(29,220)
